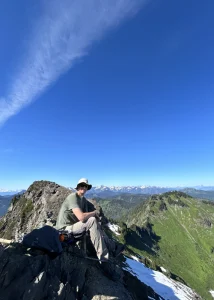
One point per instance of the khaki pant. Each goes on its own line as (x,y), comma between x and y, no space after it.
(99,239)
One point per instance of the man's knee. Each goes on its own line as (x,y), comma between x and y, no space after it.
(91,221)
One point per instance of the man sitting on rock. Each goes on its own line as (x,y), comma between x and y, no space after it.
(75,217)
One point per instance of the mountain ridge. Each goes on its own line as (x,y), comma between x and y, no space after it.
(175,230)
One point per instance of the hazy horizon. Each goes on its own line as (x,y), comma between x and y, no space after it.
(117,186)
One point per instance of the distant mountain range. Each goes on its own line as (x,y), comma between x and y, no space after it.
(130,195)
(5,199)
(105,191)
(200,194)
(4,192)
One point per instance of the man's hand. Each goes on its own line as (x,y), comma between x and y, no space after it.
(83,217)
(97,214)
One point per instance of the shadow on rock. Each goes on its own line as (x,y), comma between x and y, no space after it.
(32,276)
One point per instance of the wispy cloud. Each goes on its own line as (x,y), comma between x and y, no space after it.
(63,34)
(7,150)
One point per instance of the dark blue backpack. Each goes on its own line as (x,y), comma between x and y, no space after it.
(45,239)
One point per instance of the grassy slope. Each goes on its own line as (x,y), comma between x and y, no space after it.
(186,239)
(118,206)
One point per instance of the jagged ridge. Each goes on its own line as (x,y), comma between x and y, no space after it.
(176,231)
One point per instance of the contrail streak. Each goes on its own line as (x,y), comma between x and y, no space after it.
(61,36)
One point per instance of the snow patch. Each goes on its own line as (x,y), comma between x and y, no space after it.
(162,285)
(134,257)
(114,228)
(212,293)
(163,270)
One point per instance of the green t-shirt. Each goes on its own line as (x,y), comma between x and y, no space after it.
(66,216)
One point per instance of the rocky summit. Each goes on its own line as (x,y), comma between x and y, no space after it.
(30,274)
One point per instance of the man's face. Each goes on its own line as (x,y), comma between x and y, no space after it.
(82,189)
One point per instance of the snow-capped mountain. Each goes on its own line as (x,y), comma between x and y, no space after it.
(143,189)
(129,189)
(5,192)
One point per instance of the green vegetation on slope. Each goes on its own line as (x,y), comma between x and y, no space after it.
(181,237)
(24,210)
(118,207)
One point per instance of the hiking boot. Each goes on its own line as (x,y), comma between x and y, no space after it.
(118,249)
(109,270)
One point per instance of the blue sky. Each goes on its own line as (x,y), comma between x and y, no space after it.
(120,92)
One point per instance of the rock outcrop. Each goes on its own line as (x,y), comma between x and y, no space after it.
(38,206)
(26,276)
